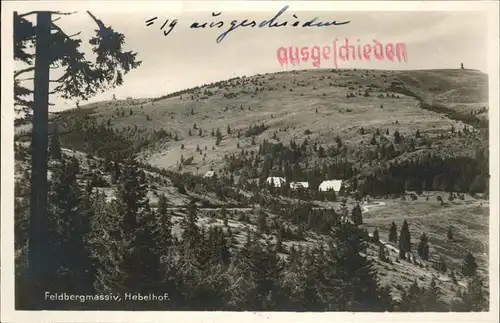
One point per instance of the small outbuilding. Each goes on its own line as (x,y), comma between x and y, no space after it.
(299,185)
(209,174)
(275,181)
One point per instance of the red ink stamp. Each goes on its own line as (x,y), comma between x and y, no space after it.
(342,51)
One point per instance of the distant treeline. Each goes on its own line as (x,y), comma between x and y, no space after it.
(431,173)
(466,118)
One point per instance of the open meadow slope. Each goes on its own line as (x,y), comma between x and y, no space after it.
(293,104)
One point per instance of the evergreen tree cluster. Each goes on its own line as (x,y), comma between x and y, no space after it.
(313,163)
(255,130)
(432,173)
(125,245)
(87,134)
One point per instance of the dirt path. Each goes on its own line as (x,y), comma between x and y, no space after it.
(211,209)
(366,208)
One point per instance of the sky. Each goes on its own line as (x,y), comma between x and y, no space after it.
(188,57)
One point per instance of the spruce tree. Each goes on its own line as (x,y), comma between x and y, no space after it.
(53,47)
(261,222)
(197,260)
(412,299)
(164,226)
(450,234)
(255,276)
(352,283)
(453,277)
(475,298)
(222,254)
(70,229)
(142,262)
(279,243)
(423,247)
(201,254)
(129,261)
(356,215)
(375,236)
(381,253)
(191,235)
(404,240)
(393,233)
(441,265)
(432,301)
(302,278)
(397,137)
(115,173)
(469,265)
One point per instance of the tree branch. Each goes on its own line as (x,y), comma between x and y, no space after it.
(27,79)
(78,33)
(27,14)
(52,12)
(55,13)
(25,70)
(97,21)
(56,27)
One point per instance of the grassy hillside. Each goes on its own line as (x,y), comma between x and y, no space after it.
(298,104)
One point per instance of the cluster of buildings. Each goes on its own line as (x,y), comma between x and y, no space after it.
(275,181)
(329,185)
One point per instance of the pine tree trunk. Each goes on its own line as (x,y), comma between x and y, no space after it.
(37,255)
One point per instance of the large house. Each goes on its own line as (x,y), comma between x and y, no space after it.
(298,185)
(275,181)
(329,185)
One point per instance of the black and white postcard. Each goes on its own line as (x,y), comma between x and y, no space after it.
(248,161)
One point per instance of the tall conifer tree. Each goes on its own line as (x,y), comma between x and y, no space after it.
(70,226)
(393,233)
(130,263)
(404,240)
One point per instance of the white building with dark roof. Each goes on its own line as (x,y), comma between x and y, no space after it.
(330,185)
